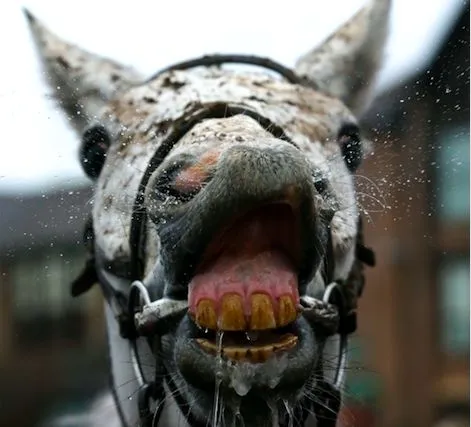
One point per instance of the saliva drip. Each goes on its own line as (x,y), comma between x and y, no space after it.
(251,335)
(238,419)
(216,416)
(275,418)
(289,412)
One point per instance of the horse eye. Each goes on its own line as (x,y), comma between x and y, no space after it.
(95,144)
(320,185)
(350,144)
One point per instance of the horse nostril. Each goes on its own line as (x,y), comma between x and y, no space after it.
(184,178)
(192,178)
(169,183)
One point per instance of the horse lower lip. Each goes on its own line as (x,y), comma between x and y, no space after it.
(250,353)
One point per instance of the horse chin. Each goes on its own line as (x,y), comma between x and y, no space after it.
(257,392)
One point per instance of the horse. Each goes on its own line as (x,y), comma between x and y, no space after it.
(225,234)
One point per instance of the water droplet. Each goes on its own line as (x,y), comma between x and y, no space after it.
(238,419)
(275,419)
(217,413)
(252,335)
(289,412)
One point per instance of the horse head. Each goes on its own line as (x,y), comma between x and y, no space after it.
(225,232)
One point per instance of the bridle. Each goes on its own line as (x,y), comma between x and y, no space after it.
(142,322)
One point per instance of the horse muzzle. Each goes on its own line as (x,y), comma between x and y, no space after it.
(257,206)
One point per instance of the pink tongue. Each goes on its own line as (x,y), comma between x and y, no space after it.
(269,272)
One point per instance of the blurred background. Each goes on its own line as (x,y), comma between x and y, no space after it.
(410,357)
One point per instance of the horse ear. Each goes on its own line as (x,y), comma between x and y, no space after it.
(82,82)
(345,65)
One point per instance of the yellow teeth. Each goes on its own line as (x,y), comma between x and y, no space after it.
(286,311)
(252,354)
(232,316)
(206,314)
(262,316)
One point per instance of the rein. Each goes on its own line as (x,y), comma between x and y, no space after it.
(142,322)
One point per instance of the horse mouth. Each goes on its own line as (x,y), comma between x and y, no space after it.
(244,295)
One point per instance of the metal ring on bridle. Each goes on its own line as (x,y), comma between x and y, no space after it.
(143,292)
(333,291)
(137,291)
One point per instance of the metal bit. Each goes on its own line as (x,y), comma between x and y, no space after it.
(159,316)
(320,313)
